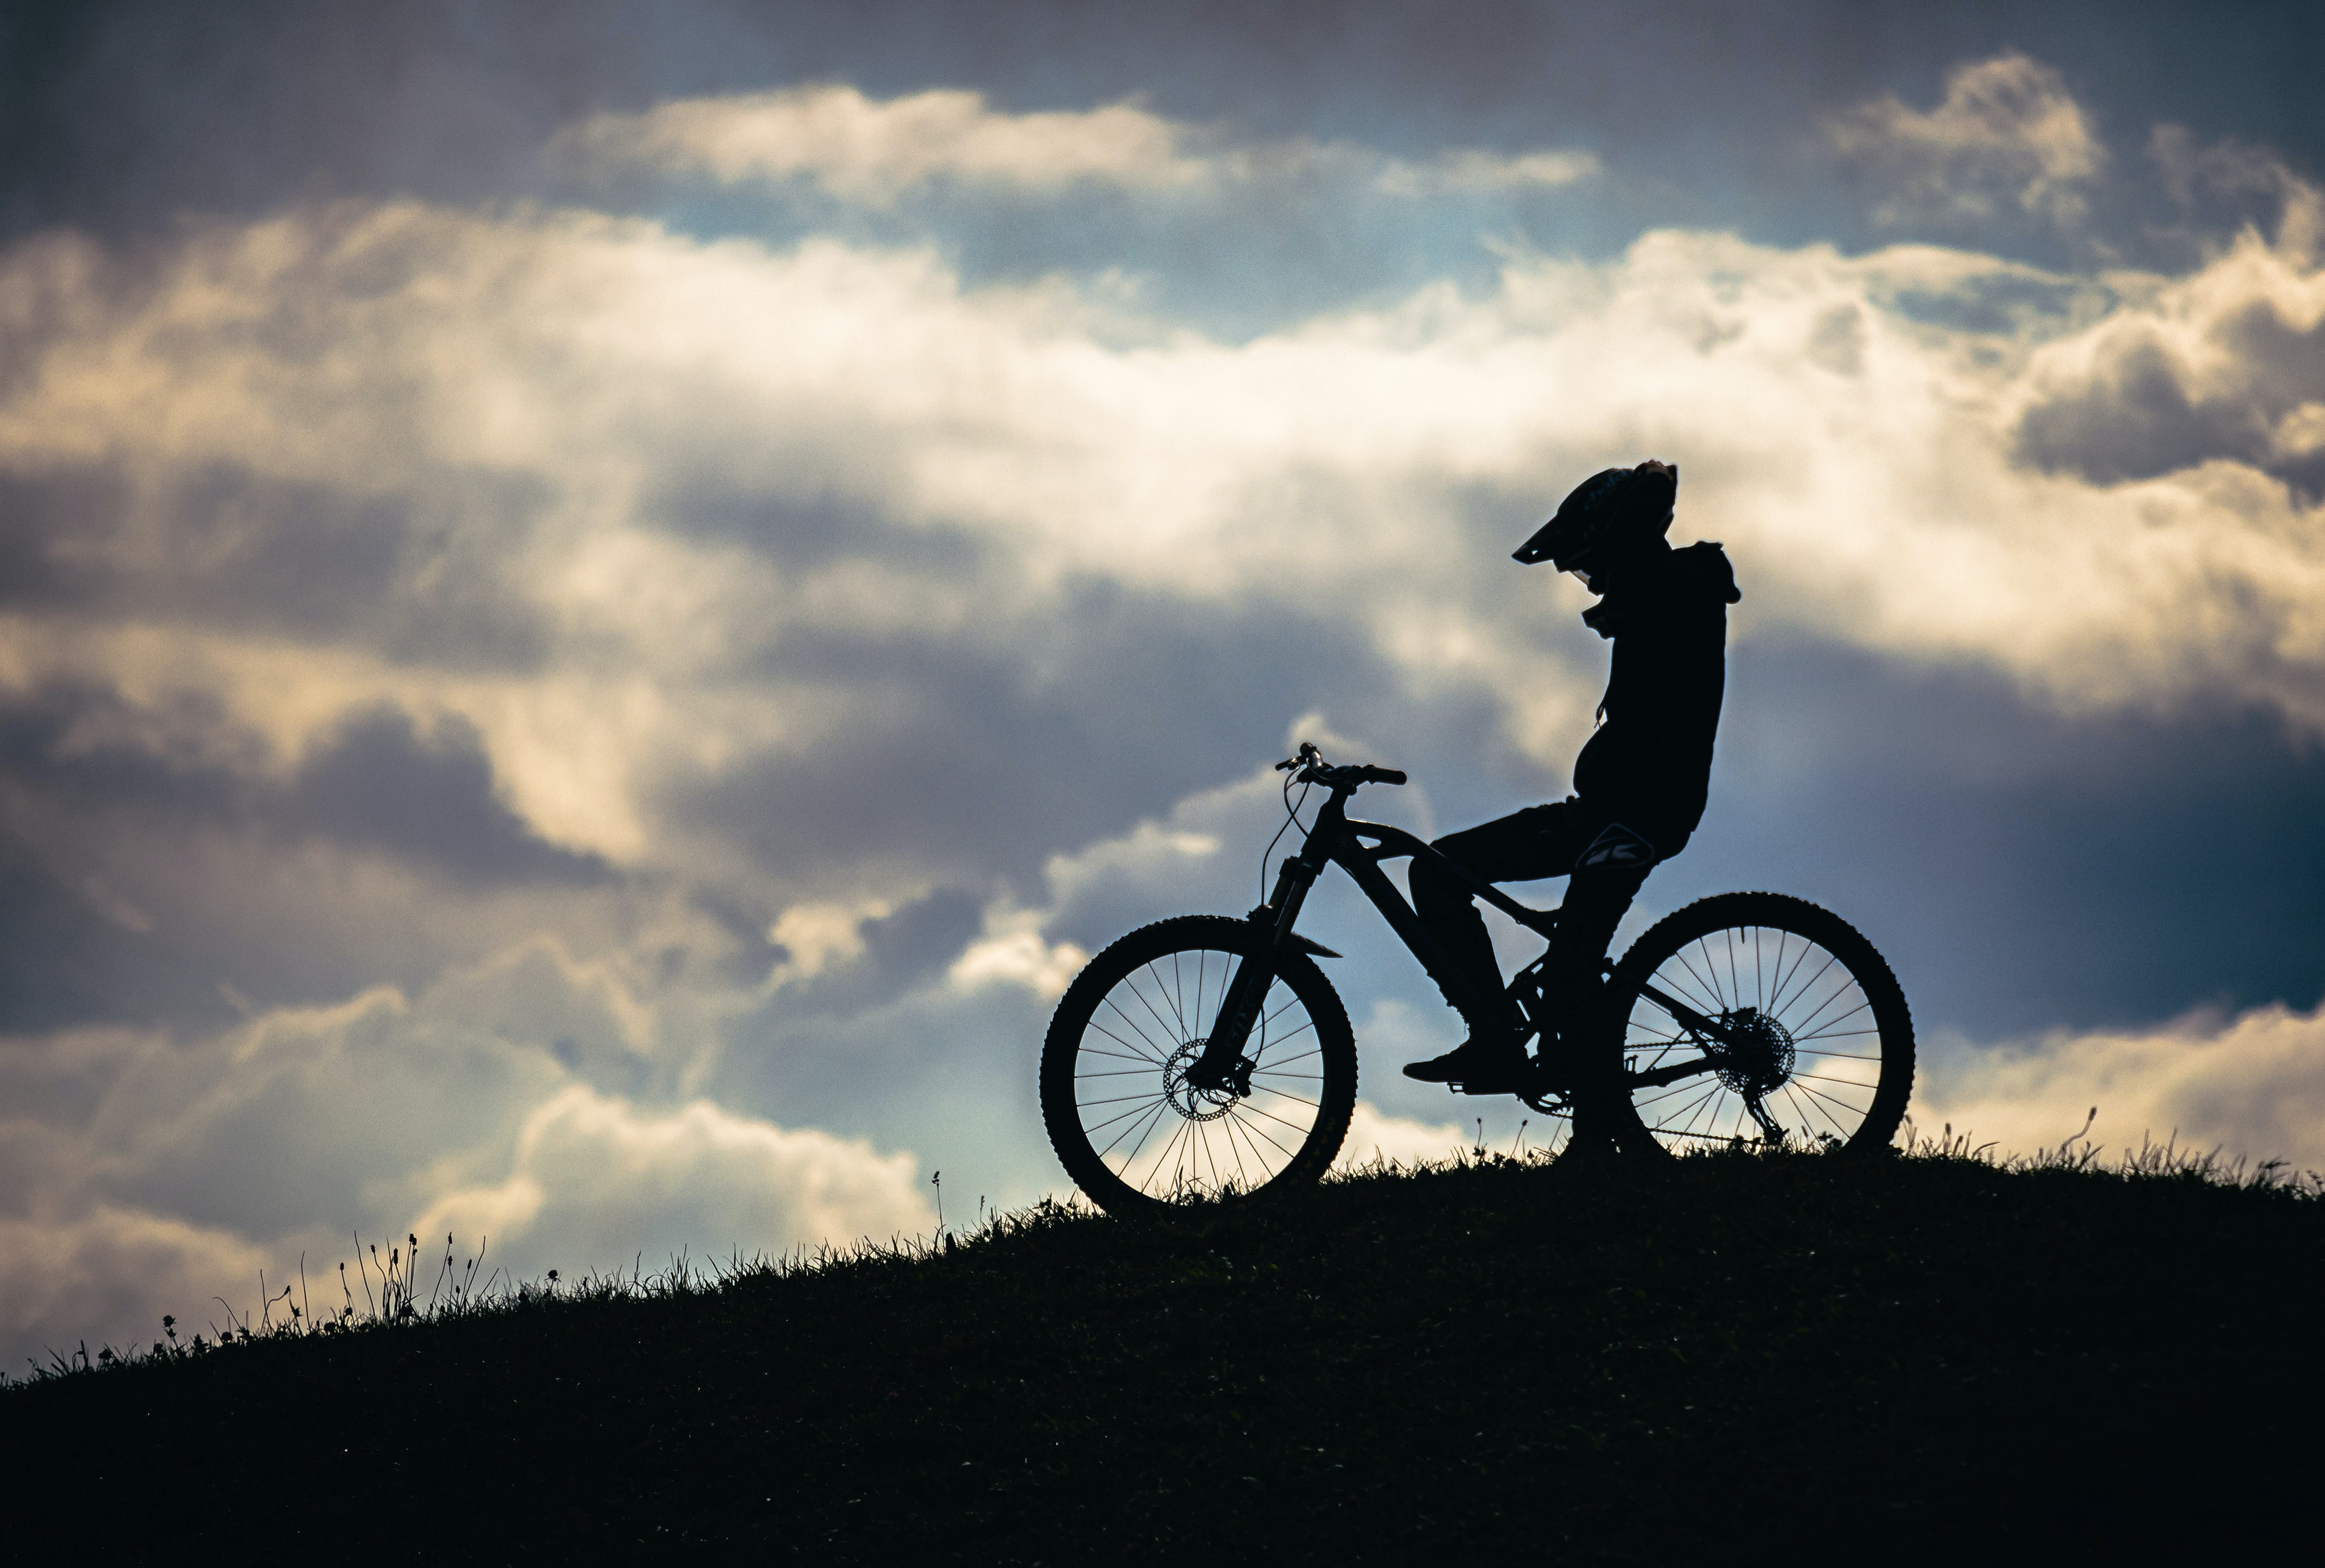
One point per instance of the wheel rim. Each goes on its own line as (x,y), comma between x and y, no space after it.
(1805,1039)
(1164,1139)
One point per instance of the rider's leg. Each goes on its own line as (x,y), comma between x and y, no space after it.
(1596,901)
(1607,877)
(1542,841)
(1527,847)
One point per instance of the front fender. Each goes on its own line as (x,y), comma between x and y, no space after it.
(1263,917)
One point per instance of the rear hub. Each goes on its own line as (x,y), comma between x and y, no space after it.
(1754,1058)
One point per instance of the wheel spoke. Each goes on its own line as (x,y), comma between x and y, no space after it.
(1178,1014)
(1161,1106)
(1249,1129)
(1705,997)
(1814,1103)
(1807,985)
(1705,1094)
(1710,970)
(1820,1078)
(1843,989)
(1784,981)
(1708,1109)
(1151,1062)
(1825,1098)
(1124,1116)
(1830,1033)
(1158,1018)
(1156,1170)
(1155,1054)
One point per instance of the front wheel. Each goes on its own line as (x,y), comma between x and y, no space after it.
(1126,1125)
(1810,1043)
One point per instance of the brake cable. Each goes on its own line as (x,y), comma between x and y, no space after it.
(1290,820)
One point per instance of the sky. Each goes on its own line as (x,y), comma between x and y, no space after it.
(599,604)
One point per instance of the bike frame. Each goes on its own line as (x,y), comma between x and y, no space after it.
(1358,848)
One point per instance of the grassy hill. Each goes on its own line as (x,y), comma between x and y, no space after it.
(1751,1357)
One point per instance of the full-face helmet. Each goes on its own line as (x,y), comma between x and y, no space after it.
(1604,519)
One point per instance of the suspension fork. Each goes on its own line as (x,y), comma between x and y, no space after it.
(1222,1065)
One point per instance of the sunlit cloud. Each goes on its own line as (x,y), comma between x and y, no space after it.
(2008,131)
(876,152)
(2220,366)
(592,1174)
(2251,1086)
(536,1102)
(1472,170)
(1373,1135)
(871,150)
(593,375)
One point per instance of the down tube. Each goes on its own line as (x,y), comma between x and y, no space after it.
(1406,924)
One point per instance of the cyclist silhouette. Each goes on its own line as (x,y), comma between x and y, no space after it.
(1640,784)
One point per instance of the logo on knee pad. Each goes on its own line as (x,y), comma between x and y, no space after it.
(1618,848)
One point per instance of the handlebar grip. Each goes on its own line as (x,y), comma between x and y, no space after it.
(1385,775)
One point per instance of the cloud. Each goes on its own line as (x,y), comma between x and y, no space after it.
(2221,365)
(594,1178)
(377,779)
(500,694)
(541,1100)
(1374,1134)
(1472,170)
(597,364)
(876,151)
(1017,955)
(872,150)
(2253,1086)
(98,1277)
(2006,131)
(843,581)
(2248,187)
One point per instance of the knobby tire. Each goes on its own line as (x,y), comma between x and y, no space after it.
(1128,1021)
(1850,1050)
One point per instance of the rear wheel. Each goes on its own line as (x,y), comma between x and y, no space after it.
(1124,1122)
(1811,1043)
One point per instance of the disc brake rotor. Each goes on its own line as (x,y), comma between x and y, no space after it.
(1194,1104)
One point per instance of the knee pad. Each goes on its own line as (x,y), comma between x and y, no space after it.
(1617,848)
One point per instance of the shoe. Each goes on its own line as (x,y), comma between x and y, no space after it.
(1480,1065)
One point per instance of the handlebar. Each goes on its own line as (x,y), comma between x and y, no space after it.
(1308,767)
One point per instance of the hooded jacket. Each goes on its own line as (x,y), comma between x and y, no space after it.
(1668,618)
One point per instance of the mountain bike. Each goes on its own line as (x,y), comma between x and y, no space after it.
(1207,1055)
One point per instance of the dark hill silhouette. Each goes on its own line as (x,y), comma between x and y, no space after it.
(1742,1357)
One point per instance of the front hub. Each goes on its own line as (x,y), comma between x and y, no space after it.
(1193,1102)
